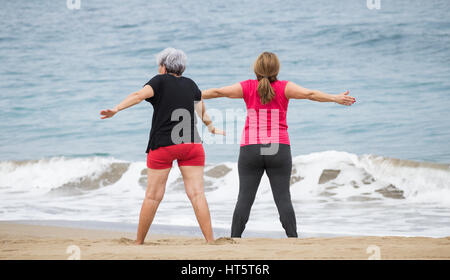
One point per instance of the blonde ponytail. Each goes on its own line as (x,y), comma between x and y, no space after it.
(266,69)
(265,90)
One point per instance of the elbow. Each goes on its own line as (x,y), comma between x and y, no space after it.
(220,92)
(209,93)
(311,95)
(138,97)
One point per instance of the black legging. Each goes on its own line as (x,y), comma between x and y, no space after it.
(251,166)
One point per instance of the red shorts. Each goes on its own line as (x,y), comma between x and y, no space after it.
(189,154)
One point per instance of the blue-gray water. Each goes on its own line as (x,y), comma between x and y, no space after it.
(59,67)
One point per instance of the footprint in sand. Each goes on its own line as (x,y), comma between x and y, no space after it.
(219,241)
(126,241)
(223,241)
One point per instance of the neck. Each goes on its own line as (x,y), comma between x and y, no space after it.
(173,74)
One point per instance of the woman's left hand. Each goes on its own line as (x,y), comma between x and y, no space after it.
(108,113)
(218,131)
(344,99)
(214,130)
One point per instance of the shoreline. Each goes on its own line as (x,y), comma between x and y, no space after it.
(163,229)
(27,241)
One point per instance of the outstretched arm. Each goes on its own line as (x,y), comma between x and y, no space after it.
(233,91)
(130,100)
(295,91)
(201,112)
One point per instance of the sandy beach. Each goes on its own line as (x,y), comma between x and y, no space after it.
(19,241)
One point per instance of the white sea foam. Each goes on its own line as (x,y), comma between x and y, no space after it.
(332,191)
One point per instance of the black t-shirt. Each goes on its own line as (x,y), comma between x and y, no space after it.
(168,124)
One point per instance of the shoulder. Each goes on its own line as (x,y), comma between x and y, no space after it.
(188,80)
(193,85)
(160,77)
(155,79)
(282,82)
(249,84)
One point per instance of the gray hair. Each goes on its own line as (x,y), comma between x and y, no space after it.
(174,60)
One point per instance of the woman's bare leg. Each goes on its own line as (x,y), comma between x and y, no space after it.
(156,186)
(193,183)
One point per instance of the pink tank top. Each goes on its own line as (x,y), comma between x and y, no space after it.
(265,123)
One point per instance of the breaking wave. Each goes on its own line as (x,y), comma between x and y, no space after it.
(332,191)
(329,174)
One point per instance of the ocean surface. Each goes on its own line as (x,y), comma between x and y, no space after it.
(378,167)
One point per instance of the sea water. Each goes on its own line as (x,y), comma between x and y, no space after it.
(380,166)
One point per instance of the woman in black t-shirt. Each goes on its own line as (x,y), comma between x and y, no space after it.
(173,136)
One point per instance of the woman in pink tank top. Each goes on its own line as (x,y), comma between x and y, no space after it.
(265,144)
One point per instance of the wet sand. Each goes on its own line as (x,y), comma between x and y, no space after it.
(18,241)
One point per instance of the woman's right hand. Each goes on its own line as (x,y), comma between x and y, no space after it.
(108,113)
(345,99)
